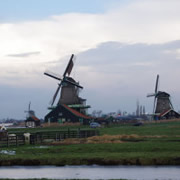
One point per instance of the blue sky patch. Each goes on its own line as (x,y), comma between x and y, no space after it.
(21,10)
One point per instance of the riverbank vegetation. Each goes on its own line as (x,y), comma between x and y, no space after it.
(150,144)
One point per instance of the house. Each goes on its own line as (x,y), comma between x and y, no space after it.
(32,121)
(62,113)
(168,114)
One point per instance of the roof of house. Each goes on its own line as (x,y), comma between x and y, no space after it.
(33,118)
(167,111)
(76,112)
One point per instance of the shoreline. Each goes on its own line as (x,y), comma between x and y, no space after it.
(92,161)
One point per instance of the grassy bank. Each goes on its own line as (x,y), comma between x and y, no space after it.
(152,152)
(155,128)
(150,144)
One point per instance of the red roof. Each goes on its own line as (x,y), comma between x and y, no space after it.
(35,118)
(165,112)
(76,112)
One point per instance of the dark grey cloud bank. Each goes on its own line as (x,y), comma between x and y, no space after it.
(114,76)
(115,53)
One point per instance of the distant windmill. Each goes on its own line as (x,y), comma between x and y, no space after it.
(162,102)
(69,87)
(30,112)
(31,119)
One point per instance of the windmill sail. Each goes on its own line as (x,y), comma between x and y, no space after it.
(154,105)
(69,66)
(157,83)
(151,94)
(75,84)
(55,95)
(29,108)
(53,75)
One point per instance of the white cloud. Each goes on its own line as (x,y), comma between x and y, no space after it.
(124,64)
(139,21)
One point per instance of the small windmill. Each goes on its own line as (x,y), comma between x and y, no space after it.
(69,87)
(162,100)
(29,112)
(31,119)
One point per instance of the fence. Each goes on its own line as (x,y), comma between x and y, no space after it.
(42,137)
(13,140)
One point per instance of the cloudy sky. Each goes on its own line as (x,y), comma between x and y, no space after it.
(120,47)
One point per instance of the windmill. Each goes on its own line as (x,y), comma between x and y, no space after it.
(29,112)
(31,119)
(162,102)
(69,87)
(70,107)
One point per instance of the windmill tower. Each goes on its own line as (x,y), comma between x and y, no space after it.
(69,94)
(162,102)
(69,87)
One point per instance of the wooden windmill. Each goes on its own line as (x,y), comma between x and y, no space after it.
(69,93)
(162,102)
(68,98)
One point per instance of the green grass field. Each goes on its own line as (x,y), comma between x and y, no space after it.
(164,128)
(156,144)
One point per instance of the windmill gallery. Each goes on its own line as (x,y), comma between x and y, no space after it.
(71,107)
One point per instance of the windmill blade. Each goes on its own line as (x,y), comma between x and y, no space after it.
(157,83)
(150,95)
(53,75)
(154,105)
(75,84)
(55,95)
(29,106)
(69,66)
(171,103)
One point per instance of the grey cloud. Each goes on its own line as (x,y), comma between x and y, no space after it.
(27,54)
(129,70)
(119,53)
(119,74)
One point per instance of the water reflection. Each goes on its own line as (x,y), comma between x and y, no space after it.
(92,172)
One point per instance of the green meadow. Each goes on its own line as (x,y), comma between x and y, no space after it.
(150,144)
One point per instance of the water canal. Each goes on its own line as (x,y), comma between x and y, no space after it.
(92,172)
